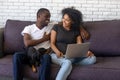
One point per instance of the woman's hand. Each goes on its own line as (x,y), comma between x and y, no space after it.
(89,54)
(60,54)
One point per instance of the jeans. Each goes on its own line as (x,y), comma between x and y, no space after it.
(66,64)
(84,60)
(20,59)
(65,69)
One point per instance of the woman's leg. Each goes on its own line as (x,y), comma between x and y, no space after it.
(19,58)
(45,67)
(65,69)
(85,60)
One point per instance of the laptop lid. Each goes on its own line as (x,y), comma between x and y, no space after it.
(77,50)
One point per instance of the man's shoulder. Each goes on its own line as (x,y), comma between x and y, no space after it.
(29,27)
(32,25)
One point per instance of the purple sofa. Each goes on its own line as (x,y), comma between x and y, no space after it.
(105,43)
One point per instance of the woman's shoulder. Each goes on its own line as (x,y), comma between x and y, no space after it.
(58,25)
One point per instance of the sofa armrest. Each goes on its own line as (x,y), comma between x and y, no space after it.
(1,42)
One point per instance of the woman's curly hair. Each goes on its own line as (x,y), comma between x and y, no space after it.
(75,15)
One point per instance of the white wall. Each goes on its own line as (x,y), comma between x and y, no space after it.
(26,9)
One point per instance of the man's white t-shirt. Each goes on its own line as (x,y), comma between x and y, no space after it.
(37,33)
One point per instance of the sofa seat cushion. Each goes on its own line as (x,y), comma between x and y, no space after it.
(6,66)
(34,76)
(85,73)
(104,37)
(105,66)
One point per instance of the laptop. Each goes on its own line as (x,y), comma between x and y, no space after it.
(77,50)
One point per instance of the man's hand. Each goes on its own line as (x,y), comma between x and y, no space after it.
(46,36)
(84,33)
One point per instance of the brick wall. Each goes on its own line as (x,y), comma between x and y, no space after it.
(26,9)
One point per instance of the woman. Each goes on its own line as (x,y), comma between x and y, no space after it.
(68,33)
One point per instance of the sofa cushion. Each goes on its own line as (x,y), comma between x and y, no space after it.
(1,42)
(105,37)
(106,68)
(13,40)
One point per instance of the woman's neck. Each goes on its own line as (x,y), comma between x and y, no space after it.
(67,27)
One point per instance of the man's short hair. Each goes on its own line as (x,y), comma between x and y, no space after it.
(42,10)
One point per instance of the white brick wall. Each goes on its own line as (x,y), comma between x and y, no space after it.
(26,9)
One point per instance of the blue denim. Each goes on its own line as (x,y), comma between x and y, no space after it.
(20,59)
(45,70)
(65,64)
(84,60)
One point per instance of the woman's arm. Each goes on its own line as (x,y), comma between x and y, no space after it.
(53,42)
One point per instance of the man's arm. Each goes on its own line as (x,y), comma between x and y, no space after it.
(84,33)
(29,42)
(79,39)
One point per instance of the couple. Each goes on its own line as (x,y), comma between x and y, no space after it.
(38,35)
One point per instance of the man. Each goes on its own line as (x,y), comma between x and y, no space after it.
(36,35)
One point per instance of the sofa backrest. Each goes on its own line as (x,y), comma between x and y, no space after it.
(1,42)
(13,40)
(105,37)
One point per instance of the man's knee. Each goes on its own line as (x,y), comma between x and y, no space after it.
(18,56)
(47,58)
